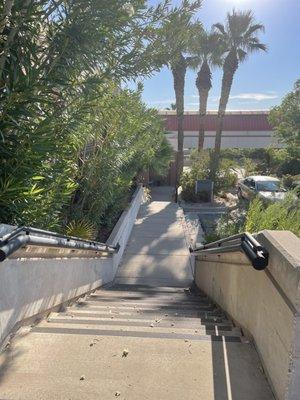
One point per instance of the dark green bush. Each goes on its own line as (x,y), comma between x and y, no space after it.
(200,168)
(283,215)
(256,216)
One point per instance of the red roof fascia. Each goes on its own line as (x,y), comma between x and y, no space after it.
(250,122)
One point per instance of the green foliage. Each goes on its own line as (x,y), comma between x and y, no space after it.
(81,229)
(285,119)
(283,215)
(200,169)
(162,158)
(256,216)
(263,161)
(227,225)
(71,139)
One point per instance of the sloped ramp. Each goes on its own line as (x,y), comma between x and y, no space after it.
(157,251)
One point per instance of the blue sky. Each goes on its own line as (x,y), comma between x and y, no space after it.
(263,79)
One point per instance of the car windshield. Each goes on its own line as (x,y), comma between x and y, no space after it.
(269,186)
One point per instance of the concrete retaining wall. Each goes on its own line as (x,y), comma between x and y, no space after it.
(29,287)
(266,304)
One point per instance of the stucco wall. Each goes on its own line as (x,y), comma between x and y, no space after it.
(234,139)
(264,303)
(29,287)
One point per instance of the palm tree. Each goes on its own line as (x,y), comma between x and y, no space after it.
(208,53)
(239,38)
(174,37)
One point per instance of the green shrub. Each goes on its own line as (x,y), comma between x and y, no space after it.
(225,180)
(256,216)
(231,223)
(81,229)
(283,215)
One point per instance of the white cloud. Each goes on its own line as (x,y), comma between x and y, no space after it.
(254,96)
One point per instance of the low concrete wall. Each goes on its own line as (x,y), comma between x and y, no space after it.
(122,230)
(29,287)
(266,304)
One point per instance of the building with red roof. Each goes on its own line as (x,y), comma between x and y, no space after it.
(242,129)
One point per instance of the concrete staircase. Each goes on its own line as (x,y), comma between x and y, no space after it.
(146,312)
(146,337)
(134,342)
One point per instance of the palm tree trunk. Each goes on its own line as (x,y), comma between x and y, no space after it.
(203,96)
(179,71)
(229,68)
(203,83)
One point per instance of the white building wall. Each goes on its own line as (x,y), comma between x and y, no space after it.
(230,139)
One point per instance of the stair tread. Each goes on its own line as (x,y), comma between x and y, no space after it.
(151,305)
(155,299)
(149,334)
(195,322)
(146,328)
(144,288)
(150,315)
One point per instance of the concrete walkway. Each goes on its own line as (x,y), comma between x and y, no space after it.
(157,252)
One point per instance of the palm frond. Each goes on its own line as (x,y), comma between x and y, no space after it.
(254,28)
(242,55)
(219,28)
(256,47)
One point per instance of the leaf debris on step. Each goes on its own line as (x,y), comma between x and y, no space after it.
(125,353)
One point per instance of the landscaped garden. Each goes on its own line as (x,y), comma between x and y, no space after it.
(74,137)
(283,163)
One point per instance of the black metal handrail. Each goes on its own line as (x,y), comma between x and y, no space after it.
(22,236)
(257,254)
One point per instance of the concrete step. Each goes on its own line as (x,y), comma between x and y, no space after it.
(127,288)
(152,281)
(128,327)
(49,366)
(149,334)
(197,326)
(179,303)
(144,313)
(148,295)
(154,310)
(203,319)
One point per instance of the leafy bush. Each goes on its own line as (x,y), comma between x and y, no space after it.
(283,215)
(231,223)
(200,169)
(72,139)
(256,216)
(263,161)
(81,229)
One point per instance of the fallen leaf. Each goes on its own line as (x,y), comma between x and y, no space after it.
(125,353)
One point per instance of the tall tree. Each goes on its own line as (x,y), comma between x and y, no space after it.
(174,37)
(207,54)
(239,38)
(285,119)
(57,59)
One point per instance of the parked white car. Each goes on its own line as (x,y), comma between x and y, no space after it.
(266,188)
